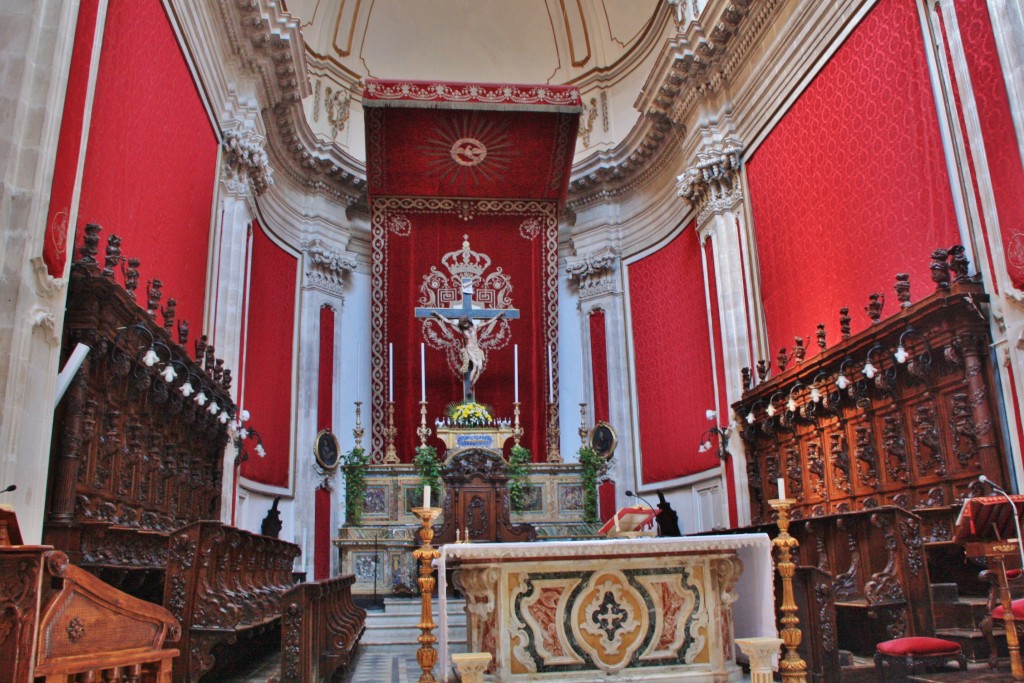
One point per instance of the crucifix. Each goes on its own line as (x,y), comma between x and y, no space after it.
(472,324)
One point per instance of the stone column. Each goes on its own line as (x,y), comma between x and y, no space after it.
(323,271)
(244,174)
(712,185)
(36,38)
(599,287)
(762,652)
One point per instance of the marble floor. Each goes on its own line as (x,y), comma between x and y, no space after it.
(370,667)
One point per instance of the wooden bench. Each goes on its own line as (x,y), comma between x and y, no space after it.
(223,583)
(320,628)
(60,624)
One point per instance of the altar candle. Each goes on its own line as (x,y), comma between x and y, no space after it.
(782,488)
(391,372)
(423,373)
(515,356)
(551,378)
(426,496)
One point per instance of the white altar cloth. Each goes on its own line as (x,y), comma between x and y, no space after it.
(753,612)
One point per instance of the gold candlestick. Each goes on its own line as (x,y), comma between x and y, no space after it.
(426,554)
(358,432)
(792,667)
(390,433)
(517,429)
(553,455)
(423,431)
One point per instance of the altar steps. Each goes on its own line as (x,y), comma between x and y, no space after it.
(396,627)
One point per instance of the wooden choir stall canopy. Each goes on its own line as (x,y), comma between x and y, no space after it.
(573,610)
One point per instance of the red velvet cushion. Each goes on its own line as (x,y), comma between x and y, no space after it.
(1016,605)
(918,645)
(1012,574)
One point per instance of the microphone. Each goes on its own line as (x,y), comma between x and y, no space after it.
(1016,516)
(985,480)
(636,495)
(12,487)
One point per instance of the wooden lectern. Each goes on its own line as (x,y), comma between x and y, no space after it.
(10,532)
(988,528)
(630,522)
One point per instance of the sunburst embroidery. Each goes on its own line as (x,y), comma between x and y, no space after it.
(468,145)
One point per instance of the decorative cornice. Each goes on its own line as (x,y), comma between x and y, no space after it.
(268,43)
(643,154)
(245,162)
(695,65)
(595,274)
(711,185)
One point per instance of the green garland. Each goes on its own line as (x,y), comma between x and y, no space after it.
(429,469)
(594,466)
(355,484)
(518,470)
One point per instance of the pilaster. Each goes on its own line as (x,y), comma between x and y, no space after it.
(324,268)
(712,185)
(599,288)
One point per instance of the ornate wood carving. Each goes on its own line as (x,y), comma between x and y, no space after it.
(919,426)
(59,622)
(320,627)
(476,500)
(132,450)
(222,582)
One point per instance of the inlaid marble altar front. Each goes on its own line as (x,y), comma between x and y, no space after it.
(640,609)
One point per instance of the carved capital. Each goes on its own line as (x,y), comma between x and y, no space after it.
(245,162)
(595,274)
(326,267)
(711,185)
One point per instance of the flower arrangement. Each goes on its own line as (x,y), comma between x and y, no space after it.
(470,415)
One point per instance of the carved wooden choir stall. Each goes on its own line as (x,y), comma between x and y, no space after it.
(137,472)
(878,439)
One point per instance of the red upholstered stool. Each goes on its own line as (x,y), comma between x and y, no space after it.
(914,652)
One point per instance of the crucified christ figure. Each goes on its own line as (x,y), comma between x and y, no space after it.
(472,356)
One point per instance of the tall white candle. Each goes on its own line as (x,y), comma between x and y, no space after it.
(782,489)
(423,373)
(551,377)
(391,372)
(426,496)
(515,356)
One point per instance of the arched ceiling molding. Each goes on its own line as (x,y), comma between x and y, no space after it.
(804,35)
(693,67)
(267,42)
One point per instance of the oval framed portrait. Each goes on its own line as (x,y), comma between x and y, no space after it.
(604,439)
(327,450)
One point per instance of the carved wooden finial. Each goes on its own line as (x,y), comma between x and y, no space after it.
(902,288)
(874,308)
(799,352)
(762,370)
(154,294)
(113,257)
(782,360)
(940,269)
(821,336)
(746,378)
(131,276)
(90,245)
(844,322)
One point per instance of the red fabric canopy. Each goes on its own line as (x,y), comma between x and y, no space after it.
(485,164)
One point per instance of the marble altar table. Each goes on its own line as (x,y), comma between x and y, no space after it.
(646,609)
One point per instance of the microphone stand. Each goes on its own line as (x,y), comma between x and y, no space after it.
(633,494)
(1016,518)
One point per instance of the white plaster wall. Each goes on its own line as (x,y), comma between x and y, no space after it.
(571,389)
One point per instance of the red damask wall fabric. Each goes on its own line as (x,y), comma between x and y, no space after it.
(322,535)
(851,186)
(1005,166)
(151,161)
(268,353)
(672,358)
(599,362)
(325,378)
(69,145)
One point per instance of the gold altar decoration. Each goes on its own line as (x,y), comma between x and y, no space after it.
(792,666)
(426,656)
(390,434)
(554,456)
(493,437)
(359,432)
(517,428)
(423,431)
